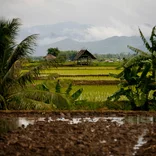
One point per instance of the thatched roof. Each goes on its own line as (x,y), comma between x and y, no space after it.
(84,52)
(49,57)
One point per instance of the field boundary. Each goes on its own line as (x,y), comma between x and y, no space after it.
(95,82)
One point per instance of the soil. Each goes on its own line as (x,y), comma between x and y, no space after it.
(86,138)
(96,82)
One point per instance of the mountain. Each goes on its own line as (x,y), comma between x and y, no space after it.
(56,32)
(110,45)
(75,36)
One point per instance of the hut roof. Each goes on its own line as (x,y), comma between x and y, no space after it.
(81,52)
(49,57)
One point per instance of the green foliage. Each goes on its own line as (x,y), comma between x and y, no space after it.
(87,105)
(72,97)
(118,105)
(136,79)
(69,89)
(15,89)
(53,51)
(70,54)
(58,87)
(11,57)
(76,95)
(61,58)
(150,55)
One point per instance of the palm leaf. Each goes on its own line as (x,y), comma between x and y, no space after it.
(145,71)
(134,60)
(23,103)
(77,94)
(120,75)
(29,76)
(69,89)
(116,95)
(152,38)
(13,27)
(138,51)
(22,50)
(145,41)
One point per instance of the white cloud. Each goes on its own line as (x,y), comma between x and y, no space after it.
(46,40)
(109,17)
(119,29)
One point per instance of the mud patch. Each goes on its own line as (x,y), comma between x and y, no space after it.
(102,137)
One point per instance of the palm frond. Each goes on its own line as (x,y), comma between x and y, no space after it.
(29,76)
(8,32)
(22,50)
(19,102)
(138,51)
(153,38)
(3,102)
(8,79)
(134,60)
(13,27)
(145,71)
(117,75)
(145,41)
(77,94)
(56,99)
(116,95)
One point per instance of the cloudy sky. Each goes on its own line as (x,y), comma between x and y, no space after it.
(107,17)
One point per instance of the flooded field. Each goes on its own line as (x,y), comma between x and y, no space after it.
(8,124)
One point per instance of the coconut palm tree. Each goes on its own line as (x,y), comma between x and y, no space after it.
(14,90)
(11,55)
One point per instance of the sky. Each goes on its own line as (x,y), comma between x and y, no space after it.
(107,17)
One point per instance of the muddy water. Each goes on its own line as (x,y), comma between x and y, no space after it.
(8,124)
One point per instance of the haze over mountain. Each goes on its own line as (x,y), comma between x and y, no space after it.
(110,45)
(75,36)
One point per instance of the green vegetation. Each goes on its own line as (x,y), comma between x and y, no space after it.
(96,93)
(53,51)
(11,57)
(137,80)
(33,83)
(16,89)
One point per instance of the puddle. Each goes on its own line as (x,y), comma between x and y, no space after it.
(140,141)
(13,123)
(10,124)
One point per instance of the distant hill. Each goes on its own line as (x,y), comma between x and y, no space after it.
(110,45)
(69,36)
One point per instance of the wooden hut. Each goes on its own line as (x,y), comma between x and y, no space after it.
(49,57)
(84,57)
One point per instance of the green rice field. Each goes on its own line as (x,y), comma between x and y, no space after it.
(80,70)
(94,93)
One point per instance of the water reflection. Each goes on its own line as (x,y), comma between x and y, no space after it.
(9,124)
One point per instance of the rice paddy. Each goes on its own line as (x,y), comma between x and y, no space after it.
(94,92)
(83,71)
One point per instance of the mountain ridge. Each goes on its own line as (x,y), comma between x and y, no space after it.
(112,45)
